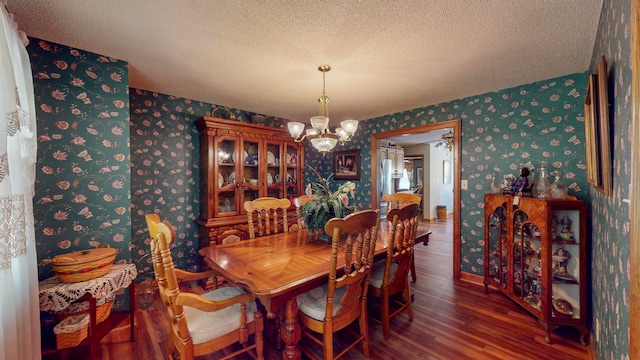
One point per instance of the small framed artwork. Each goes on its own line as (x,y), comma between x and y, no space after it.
(446,172)
(591,134)
(603,122)
(346,165)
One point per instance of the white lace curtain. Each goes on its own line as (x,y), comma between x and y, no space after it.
(19,312)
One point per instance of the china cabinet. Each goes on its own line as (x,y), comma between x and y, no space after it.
(241,162)
(535,253)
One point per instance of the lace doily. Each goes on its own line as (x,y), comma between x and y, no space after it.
(57,296)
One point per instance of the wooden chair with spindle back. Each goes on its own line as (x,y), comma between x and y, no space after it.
(343,299)
(395,201)
(202,324)
(390,276)
(267,215)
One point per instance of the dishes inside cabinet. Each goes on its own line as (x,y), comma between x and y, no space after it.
(269,179)
(562,307)
(220,180)
(271,159)
(232,178)
(292,160)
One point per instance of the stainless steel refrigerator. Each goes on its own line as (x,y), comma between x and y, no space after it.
(385,183)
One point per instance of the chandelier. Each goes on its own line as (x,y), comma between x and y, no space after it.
(447,142)
(319,135)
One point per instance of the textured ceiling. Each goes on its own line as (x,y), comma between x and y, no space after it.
(262,56)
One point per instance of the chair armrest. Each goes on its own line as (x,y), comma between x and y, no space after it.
(202,304)
(190,276)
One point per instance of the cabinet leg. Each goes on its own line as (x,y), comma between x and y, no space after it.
(547,330)
(486,287)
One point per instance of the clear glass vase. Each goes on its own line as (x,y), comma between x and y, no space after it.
(543,186)
(494,187)
(558,189)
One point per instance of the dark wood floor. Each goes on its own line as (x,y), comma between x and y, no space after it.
(452,320)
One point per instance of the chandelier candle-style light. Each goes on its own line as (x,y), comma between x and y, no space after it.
(321,138)
(447,141)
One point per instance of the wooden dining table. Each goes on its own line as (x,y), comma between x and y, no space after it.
(277,267)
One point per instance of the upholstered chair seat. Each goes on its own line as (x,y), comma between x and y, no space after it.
(313,303)
(226,320)
(377,274)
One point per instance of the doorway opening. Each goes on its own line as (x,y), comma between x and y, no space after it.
(454,125)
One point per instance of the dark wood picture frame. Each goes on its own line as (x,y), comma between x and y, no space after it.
(604,131)
(346,165)
(591,133)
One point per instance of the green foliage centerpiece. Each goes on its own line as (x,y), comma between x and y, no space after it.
(326,204)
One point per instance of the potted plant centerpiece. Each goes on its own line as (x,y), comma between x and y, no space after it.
(326,204)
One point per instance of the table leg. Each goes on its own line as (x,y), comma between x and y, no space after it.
(413,268)
(291,331)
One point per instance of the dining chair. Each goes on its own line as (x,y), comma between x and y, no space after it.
(201,324)
(343,299)
(390,276)
(268,215)
(395,201)
(230,236)
(299,202)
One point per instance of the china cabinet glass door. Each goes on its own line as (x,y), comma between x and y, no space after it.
(565,264)
(292,171)
(274,178)
(527,260)
(498,246)
(226,188)
(251,170)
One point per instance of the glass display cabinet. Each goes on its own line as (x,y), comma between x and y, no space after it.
(535,253)
(241,162)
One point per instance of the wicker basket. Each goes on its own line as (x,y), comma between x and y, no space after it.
(84,265)
(102,311)
(71,331)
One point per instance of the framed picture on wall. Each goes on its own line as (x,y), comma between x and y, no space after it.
(591,133)
(346,165)
(603,122)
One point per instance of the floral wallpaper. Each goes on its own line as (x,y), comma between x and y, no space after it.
(610,216)
(165,170)
(164,173)
(82,180)
(539,121)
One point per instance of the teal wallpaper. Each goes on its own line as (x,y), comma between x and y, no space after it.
(82,180)
(610,216)
(165,170)
(164,173)
(500,131)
